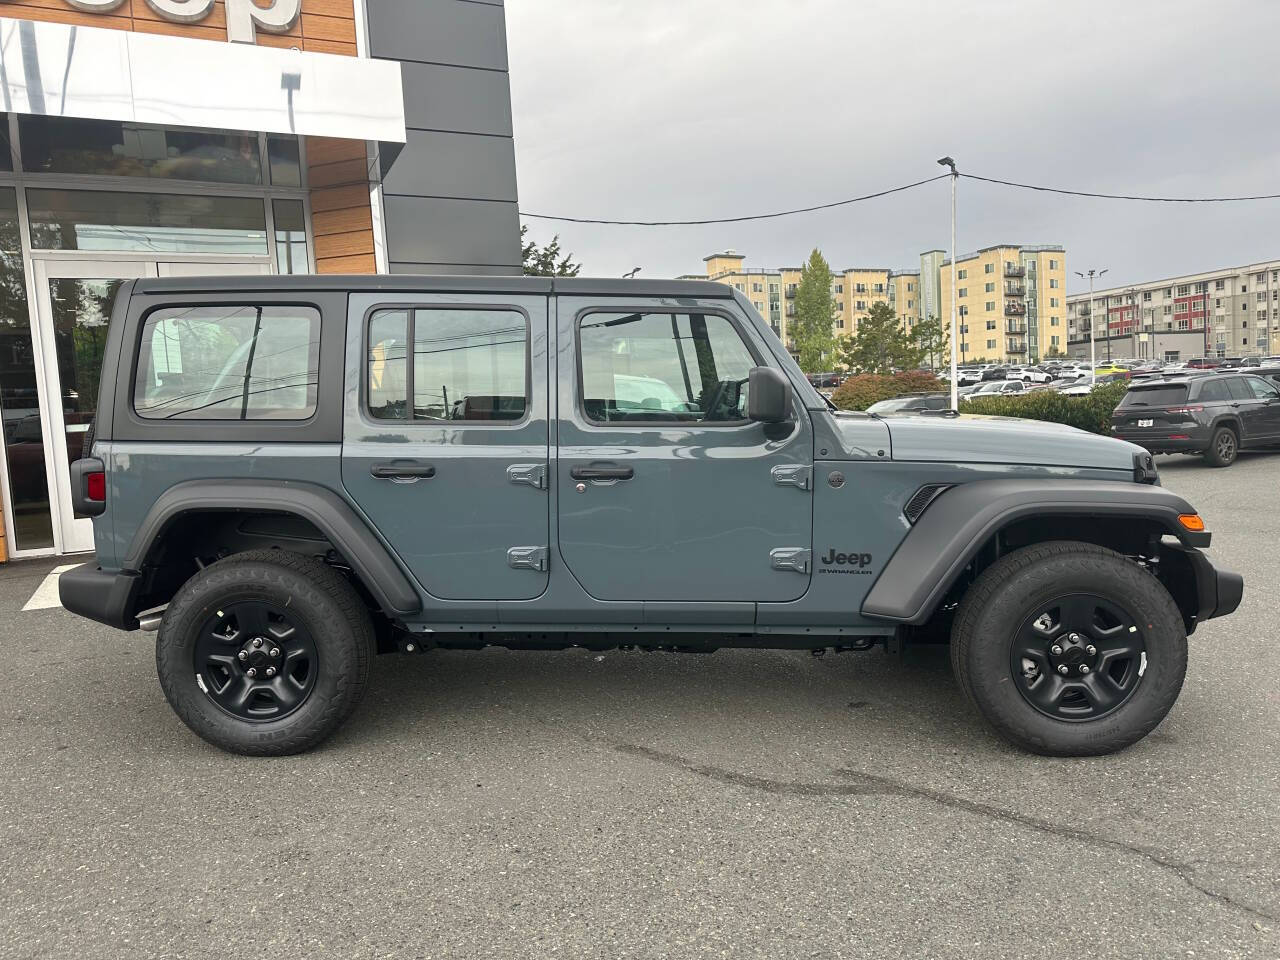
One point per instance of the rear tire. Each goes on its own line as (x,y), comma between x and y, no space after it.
(1224,447)
(295,623)
(1071,598)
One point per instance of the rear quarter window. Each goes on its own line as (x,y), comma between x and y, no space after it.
(228,362)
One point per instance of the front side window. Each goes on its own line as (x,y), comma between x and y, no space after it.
(232,362)
(467,365)
(666,367)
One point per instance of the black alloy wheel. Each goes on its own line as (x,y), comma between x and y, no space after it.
(255,660)
(1078,657)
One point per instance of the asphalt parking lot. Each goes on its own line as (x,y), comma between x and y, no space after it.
(743,804)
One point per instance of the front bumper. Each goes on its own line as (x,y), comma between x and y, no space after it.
(1217,592)
(102,595)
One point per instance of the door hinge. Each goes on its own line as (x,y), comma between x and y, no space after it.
(791,475)
(527,558)
(534,474)
(795,559)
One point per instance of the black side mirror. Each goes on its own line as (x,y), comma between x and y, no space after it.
(769,397)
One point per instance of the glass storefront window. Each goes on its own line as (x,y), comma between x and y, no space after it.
(282,156)
(146,222)
(19,403)
(115,149)
(6,154)
(291,237)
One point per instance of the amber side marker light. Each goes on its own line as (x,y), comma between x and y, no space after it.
(1192,522)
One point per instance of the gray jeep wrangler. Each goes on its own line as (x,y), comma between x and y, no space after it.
(290,474)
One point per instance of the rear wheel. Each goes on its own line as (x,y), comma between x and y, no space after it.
(1069,649)
(265,653)
(1224,447)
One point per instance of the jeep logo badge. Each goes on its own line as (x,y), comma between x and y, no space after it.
(846,559)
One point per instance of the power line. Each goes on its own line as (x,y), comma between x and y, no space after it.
(758,216)
(1118,196)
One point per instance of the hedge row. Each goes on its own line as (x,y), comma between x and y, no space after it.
(1090,412)
(860,392)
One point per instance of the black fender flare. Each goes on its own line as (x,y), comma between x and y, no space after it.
(960,520)
(328,512)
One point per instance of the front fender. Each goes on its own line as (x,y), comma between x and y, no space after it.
(959,521)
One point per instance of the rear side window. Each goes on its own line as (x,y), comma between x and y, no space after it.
(468,365)
(1161,396)
(663,367)
(228,362)
(1214,391)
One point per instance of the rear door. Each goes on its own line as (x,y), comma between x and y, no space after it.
(1251,410)
(667,492)
(446,452)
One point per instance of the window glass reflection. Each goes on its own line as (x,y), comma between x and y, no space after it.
(282,156)
(291,237)
(115,149)
(144,222)
(19,404)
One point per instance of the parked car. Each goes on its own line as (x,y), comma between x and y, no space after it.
(997,388)
(279,493)
(828,381)
(1215,415)
(1203,363)
(995,373)
(966,376)
(912,404)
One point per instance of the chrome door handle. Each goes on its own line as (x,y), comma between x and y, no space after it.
(402,470)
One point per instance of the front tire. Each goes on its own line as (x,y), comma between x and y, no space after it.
(265,653)
(1069,649)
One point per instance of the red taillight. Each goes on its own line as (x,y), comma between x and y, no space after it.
(95,486)
(1189,408)
(1179,436)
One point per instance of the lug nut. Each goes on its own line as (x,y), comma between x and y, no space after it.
(409,648)
(271,671)
(275,651)
(252,672)
(242,655)
(257,641)
(1084,668)
(1091,649)
(1063,668)
(1055,649)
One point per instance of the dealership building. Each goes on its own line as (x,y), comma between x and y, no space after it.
(153,138)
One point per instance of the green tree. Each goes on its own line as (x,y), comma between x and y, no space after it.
(815,310)
(931,339)
(546,261)
(881,345)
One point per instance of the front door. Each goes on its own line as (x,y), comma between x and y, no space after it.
(445,438)
(667,492)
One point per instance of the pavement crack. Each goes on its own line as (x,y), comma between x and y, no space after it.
(859,784)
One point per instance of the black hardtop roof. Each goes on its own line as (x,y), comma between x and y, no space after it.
(437,283)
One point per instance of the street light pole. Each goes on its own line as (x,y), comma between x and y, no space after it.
(1093,327)
(955,324)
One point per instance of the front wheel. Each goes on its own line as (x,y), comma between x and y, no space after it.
(1069,649)
(265,653)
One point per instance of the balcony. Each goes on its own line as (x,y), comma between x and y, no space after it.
(1011,271)
(1014,309)
(1015,326)
(791,293)
(1016,346)
(1014,290)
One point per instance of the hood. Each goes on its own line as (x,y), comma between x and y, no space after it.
(982,439)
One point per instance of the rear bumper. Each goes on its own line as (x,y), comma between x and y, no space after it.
(100,595)
(1194,442)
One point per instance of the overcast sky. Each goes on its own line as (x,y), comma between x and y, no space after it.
(673,109)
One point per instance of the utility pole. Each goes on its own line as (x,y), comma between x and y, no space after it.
(1093,353)
(955,324)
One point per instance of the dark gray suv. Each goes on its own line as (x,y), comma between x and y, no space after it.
(1216,415)
(289,474)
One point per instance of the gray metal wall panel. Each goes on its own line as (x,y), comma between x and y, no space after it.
(462,99)
(439,31)
(461,165)
(433,230)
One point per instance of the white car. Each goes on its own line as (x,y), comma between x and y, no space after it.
(997,388)
(1032,375)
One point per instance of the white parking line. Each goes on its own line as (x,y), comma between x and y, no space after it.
(46,595)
